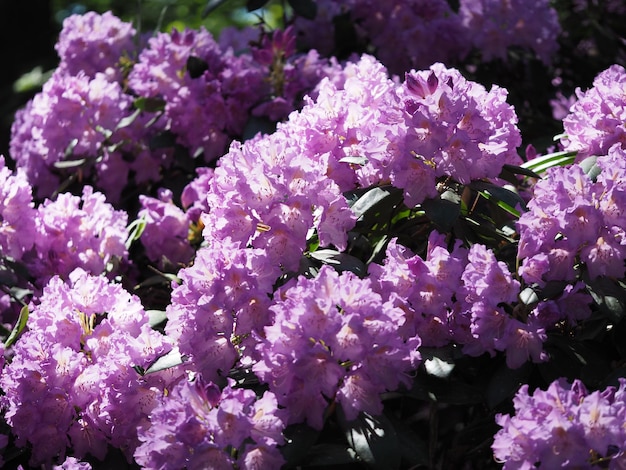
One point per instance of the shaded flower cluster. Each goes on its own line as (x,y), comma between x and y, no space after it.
(199,426)
(596,120)
(573,219)
(564,426)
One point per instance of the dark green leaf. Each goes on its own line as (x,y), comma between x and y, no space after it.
(149,105)
(609,296)
(196,66)
(373,438)
(442,212)
(330,455)
(497,194)
(518,170)
(171,359)
(505,382)
(252,5)
(413,449)
(304,8)
(65,164)
(162,140)
(340,261)
(211,6)
(128,120)
(22,319)
(257,125)
(453,392)
(299,439)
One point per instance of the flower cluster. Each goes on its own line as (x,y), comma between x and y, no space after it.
(77,362)
(457,126)
(17,213)
(222,299)
(417,33)
(564,426)
(332,338)
(94,43)
(573,219)
(493,26)
(199,426)
(73,232)
(596,120)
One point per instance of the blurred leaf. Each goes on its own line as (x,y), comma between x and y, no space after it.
(135,230)
(304,8)
(252,5)
(373,438)
(299,439)
(211,6)
(505,382)
(171,359)
(162,140)
(452,392)
(340,261)
(22,319)
(196,66)
(443,212)
(149,105)
(128,120)
(65,164)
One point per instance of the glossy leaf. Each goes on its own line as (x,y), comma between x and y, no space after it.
(171,359)
(373,438)
(541,164)
(340,261)
(20,324)
(442,212)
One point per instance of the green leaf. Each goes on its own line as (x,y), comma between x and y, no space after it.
(340,261)
(128,120)
(156,317)
(196,66)
(256,125)
(442,212)
(304,8)
(609,295)
(541,164)
(252,5)
(330,455)
(299,439)
(149,105)
(590,167)
(354,160)
(413,449)
(374,202)
(171,359)
(505,382)
(135,229)
(22,319)
(211,6)
(373,438)
(519,170)
(65,164)
(504,198)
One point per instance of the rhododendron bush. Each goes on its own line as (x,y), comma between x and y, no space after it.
(278,249)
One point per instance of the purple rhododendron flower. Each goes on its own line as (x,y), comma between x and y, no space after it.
(333,338)
(597,119)
(572,216)
(197,426)
(494,25)
(93,43)
(74,366)
(72,232)
(564,426)
(457,126)
(17,213)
